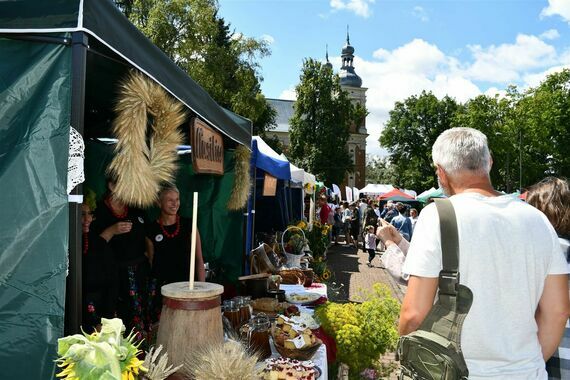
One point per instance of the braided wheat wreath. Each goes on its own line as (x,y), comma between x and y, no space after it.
(138,167)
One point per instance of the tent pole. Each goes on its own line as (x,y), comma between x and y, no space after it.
(73,304)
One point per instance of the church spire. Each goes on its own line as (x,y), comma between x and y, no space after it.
(348,76)
(327,64)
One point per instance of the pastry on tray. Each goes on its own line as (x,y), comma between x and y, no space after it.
(289,369)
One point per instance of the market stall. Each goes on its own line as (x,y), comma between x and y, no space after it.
(429,194)
(376,189)
(66,61)
(269,207)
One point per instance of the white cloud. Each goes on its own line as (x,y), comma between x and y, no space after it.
(420,13)
(557,7)
(534,79)
(288,94)
(550,34)
(493,91)
(358,7)
(268,38)
(505,62)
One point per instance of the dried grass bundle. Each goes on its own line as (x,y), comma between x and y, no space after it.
(242,179)
(225,361)
(139,168)
(157,365)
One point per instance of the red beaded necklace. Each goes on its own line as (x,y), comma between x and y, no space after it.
(115,214)
(165,233)
(85,243)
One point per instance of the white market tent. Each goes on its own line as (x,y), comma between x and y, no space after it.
(376,189)
(299,175)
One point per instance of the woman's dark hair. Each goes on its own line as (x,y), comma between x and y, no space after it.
(552,197)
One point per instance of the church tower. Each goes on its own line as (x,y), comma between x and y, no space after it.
(352,84)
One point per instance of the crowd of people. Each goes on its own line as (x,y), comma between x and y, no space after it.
(357,222)
(127,258)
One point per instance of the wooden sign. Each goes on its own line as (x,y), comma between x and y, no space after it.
(269,186)
(207,148)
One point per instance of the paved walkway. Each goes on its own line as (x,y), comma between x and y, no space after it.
(350,268)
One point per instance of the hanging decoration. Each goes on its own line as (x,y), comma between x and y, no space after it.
(140,167)
(75,173)
(241,187)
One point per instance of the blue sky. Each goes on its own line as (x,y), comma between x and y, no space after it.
(457,47)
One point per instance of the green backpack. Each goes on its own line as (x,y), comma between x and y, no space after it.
(433,352)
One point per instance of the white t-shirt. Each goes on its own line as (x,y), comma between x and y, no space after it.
(507,248)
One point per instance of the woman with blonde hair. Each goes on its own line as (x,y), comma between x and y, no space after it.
(552,197)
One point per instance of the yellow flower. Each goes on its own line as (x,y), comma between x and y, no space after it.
(132,369)
(326,274)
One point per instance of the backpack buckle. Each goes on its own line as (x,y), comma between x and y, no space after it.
(449,282)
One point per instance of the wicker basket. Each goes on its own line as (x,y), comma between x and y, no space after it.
(299,354)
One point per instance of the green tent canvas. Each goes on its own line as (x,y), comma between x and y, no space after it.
(436,193)
(61,62)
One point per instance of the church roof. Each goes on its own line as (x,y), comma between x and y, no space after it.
(285,111)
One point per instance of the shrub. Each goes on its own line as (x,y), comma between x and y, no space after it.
(362,331)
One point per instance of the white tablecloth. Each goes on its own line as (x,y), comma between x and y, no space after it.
(320,357)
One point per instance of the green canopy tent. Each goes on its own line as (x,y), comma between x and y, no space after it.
(426,195)
(61,63)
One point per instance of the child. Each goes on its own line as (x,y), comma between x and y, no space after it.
(370,244)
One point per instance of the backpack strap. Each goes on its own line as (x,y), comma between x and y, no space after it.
(449,275)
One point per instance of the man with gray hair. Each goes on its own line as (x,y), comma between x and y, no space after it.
(509,257)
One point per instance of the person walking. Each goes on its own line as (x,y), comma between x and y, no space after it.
(402,223)
(370,244)
(510,258)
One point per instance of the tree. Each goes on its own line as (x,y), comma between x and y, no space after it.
(544,129)
(380,170)
(320,124)
(411,130)
(528,133)
(223,62)
(491,116)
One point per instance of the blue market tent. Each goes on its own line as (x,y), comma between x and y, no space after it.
(268,212)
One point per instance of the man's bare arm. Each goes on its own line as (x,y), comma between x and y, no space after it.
(552,313)
(417,303)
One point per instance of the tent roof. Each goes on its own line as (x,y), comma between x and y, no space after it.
(431,193)
(298,174)
(100,19)
(266,159)
(396,195)
(376,189)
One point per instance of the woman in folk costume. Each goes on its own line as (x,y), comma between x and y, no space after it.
(123,228)
(168,242)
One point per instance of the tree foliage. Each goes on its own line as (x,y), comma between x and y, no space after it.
(222,61)
(379,170)
(411,130)
(528,130)
(320,125)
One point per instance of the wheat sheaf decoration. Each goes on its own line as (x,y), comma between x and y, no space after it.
(241,186)
(138,167)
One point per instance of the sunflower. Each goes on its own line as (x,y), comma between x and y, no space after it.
(132,369)
(326,275)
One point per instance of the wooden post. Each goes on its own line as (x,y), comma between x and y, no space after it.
(193,248)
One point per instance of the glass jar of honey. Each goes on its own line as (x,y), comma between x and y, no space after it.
(259,335)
